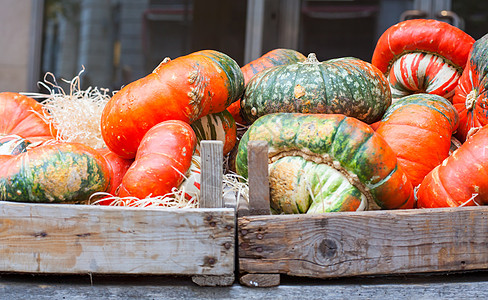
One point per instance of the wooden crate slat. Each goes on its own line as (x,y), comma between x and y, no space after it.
(258,178)
(56,238)
(365,243)
(212,174)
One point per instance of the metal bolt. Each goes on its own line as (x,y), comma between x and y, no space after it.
(211,260)
(259,236)
(227,245)
(243,231)
(228,227)
(208,218)
(212,224)
(259,249)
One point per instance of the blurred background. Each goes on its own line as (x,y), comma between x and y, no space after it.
(119,41)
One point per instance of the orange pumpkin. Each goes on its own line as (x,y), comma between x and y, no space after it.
(185,89)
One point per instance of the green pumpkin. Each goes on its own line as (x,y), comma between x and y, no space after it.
(346,86)
(59,172)
(348,146)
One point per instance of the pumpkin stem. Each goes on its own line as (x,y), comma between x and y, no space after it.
(311,59)
(471,100)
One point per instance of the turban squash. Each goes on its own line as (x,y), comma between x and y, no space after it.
(348,86)
(461,178)
(471,94)
(327,162)
(422,56)
(276,57)
(186,88)
(419,128)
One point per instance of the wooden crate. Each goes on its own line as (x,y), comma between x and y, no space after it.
(85,239)
(352,243)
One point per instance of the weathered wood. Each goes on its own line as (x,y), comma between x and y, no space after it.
(365,243)
(242,207)
(260,280)
(62,238)
(212,174)
(213,280)
(258,178)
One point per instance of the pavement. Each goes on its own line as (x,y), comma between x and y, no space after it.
(471,285)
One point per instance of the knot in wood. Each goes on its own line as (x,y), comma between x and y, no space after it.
(328,248)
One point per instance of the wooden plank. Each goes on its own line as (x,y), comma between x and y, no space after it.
(57,238)
(212,174)
(260,280)
(258,178)
(365,243)
(213,280)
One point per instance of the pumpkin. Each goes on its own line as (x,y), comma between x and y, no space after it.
(186,88)
(346,86)
(23,116)
(461,178)
(218,126)
(419,128)
(276,57)
(319,159)
(471,94)
(163,158)
(422,56)
(54,172)
(118,168)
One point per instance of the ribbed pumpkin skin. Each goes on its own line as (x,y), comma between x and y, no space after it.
(185,89)
(311,188)
(118,166)
(461,178)
(471,94)
(219,126)
(163,157)
(419,128)
(424,35)
(276,57)
(346,86)
(422,56)
(21,115)
(422,73)
(342,142)
(56,172)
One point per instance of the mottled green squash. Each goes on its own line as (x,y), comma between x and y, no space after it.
(311,188)
(345,144)
(57,172)
(346,86)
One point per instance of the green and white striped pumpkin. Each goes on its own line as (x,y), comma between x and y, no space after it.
(219,127)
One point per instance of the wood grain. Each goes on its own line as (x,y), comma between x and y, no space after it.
(258,178)
(63,238)
(212,174)
(260,280)
(365,243)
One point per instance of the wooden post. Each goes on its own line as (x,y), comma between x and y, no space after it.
(211,197)
(258,205)
(258,178)
(212,173)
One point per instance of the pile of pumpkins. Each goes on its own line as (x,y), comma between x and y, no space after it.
(405,130)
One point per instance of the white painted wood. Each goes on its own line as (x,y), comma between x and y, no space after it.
(63,238)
